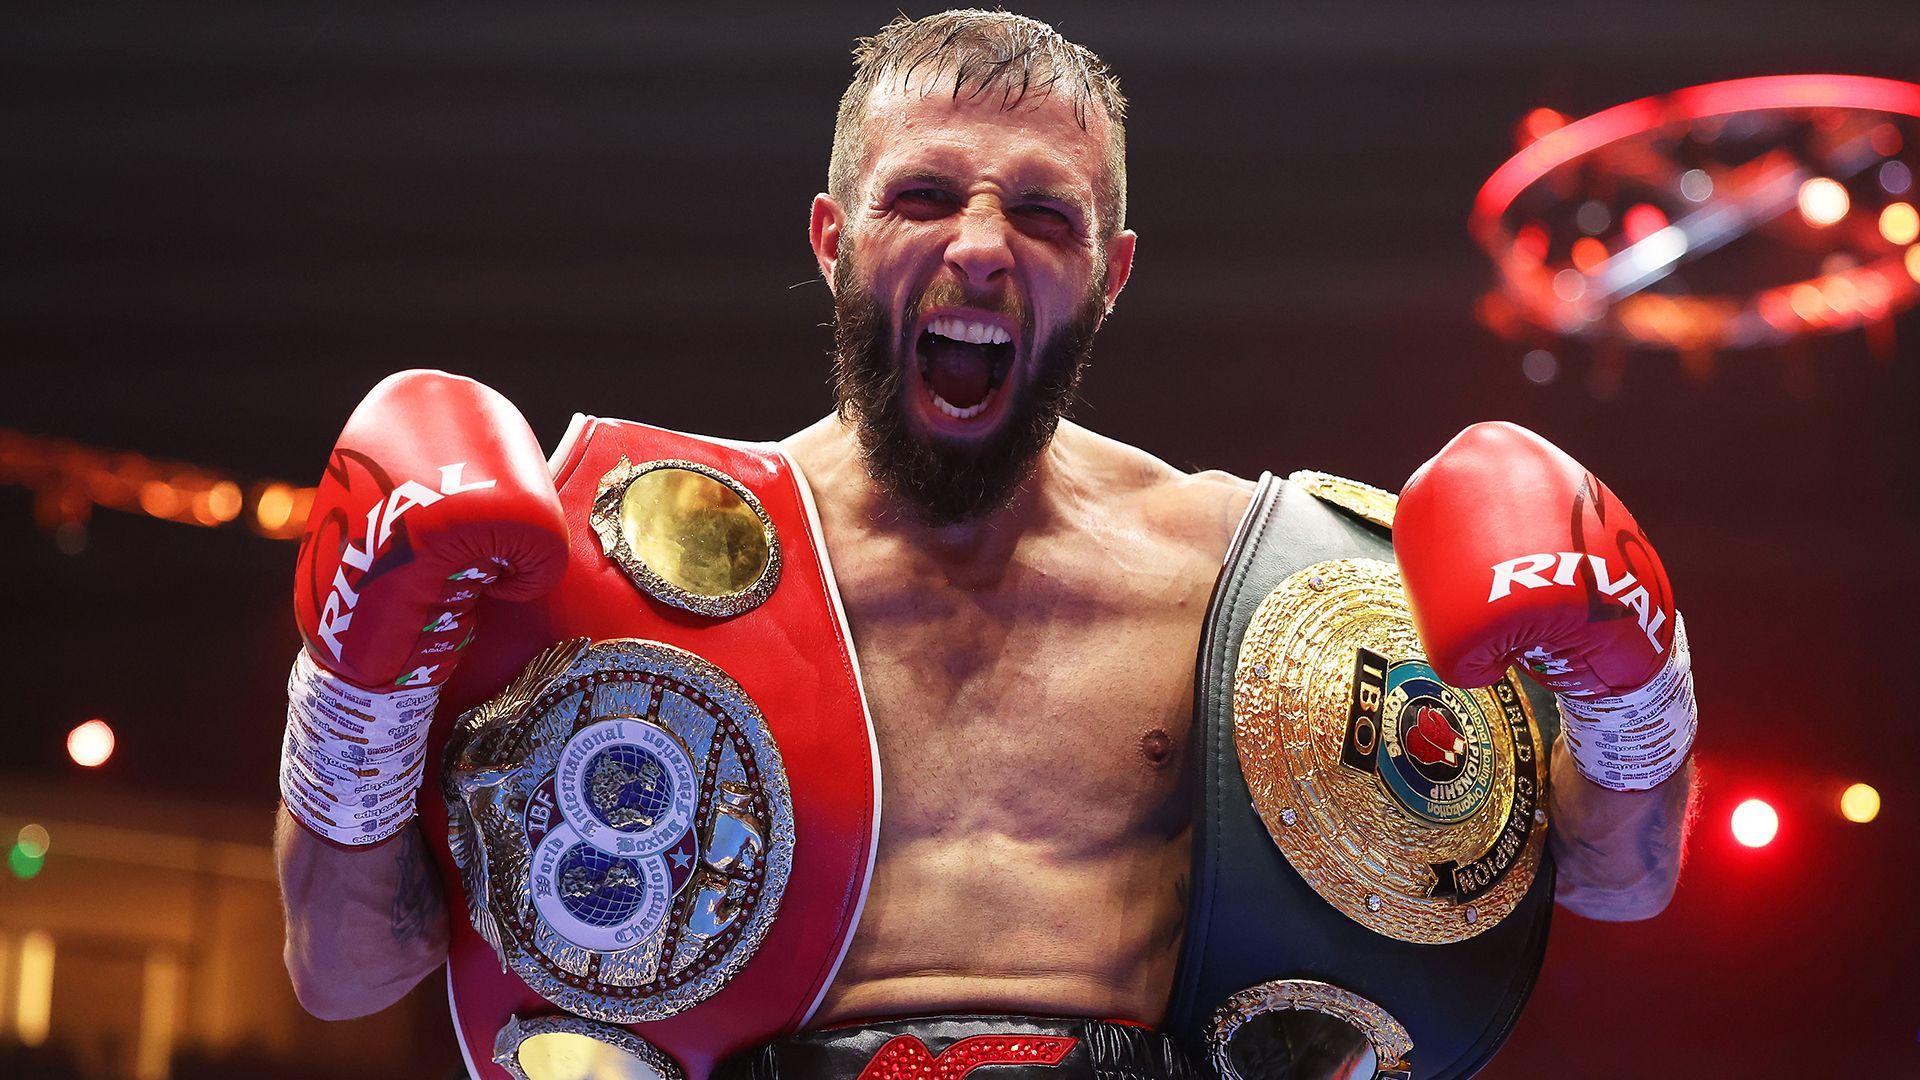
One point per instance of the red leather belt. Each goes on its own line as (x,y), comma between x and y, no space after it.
(689,799)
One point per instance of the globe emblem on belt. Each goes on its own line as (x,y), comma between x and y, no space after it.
(626,790)
(1436,754)
(596,900)
(598,888)
(627,787)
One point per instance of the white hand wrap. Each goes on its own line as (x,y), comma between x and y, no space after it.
(351,761)
(1634,741)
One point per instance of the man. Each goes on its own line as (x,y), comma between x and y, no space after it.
(1024,595)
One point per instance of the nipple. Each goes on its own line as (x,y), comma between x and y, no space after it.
(1156,747)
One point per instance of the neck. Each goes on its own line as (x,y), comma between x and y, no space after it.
(982,543)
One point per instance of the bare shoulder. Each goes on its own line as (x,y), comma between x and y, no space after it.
(1202,509)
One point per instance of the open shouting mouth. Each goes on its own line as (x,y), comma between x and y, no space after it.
(963,359)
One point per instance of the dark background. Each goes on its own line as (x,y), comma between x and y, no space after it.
(222,224)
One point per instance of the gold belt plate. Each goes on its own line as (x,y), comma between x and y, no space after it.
(1415,808)
(688,535)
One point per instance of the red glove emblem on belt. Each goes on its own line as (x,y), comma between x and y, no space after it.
(1433,740)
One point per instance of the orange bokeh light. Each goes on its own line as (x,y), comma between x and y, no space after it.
(1860,803)
(1588,253)
(1900,223)
(1807,302)
(223,501)
(275,507)
(157,497)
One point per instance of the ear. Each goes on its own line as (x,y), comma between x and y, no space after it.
(823,233)
(1119,266)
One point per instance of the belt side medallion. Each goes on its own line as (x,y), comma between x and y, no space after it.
(688,535)
(623,827)
(1415,808)
(1362,500)
(570,1048)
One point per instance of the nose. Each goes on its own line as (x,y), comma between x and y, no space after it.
(979,251)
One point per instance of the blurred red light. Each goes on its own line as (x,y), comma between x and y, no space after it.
(1642,221)
(1530,243)
(1754,823)
(1540,123)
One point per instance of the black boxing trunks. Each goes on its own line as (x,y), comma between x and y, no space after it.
(950,1047)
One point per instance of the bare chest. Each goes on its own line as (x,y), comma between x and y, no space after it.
(1052,704)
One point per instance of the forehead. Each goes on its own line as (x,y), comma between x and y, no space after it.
(1038,141)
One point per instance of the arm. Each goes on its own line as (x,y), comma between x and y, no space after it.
(363,926)
(436,494)
(1618,853)
(1513,554)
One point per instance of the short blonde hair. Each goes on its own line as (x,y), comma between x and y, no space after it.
(983,52)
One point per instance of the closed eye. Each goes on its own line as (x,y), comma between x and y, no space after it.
(925,200)
(1043,212)
(1045,222)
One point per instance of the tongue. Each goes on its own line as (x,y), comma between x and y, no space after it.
(960,373)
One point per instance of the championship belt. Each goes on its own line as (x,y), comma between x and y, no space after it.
(660,789)
(1371,890)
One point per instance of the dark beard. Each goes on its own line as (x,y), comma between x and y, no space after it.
(942,482)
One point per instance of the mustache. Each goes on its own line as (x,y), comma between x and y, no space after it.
(937,481)
(1006,303)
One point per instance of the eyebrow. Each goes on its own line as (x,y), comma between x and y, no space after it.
(940,179)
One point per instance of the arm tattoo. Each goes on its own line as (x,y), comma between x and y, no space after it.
(1660,839)
(414,896)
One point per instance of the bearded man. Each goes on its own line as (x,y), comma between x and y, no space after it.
(1317,852)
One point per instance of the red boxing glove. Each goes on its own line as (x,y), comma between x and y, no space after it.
(436,494)
(1513,553)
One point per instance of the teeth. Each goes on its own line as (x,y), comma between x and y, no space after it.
(955,411)
(973,332)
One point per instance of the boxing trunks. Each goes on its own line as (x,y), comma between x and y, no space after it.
(656,788)
(1368,853)
(950,1047)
